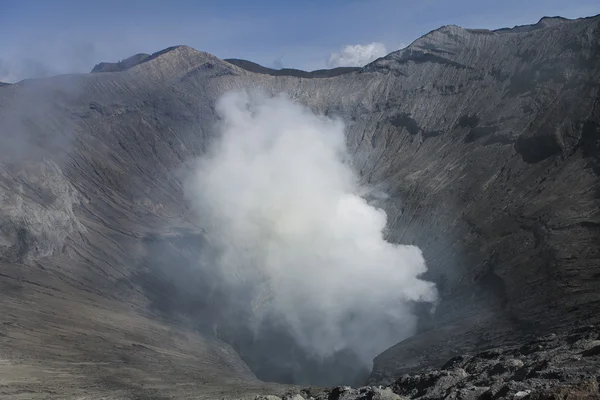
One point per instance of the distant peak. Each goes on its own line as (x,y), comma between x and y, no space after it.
(120,65)
(172,62)
(449,28)
(446,44)
(259,69)
(140,58)
(175,50)
(544,22)
(553,19)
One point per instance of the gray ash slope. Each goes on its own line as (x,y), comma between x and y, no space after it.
(488,143)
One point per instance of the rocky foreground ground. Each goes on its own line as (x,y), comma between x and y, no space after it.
(553,367)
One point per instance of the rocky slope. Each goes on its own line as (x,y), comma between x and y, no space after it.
(551,367)
(488,143)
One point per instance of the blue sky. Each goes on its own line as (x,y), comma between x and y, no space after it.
(40,38)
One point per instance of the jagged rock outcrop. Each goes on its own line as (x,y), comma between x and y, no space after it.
(37,204)
(486,141)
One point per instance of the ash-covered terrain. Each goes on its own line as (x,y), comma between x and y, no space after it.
(482,147)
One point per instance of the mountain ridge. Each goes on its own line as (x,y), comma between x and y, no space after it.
(140,58)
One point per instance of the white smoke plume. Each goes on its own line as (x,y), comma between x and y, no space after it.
(279,199)
(357,55)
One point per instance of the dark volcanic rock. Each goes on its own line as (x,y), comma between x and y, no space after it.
(487,143)
(539,369)
(550,367)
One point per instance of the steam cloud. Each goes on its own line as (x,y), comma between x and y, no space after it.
(357,55)
(279,199)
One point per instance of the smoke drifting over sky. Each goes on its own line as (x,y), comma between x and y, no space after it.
(280,200)
(357,55)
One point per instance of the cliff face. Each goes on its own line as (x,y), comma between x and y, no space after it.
(488,143)
(503,179)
